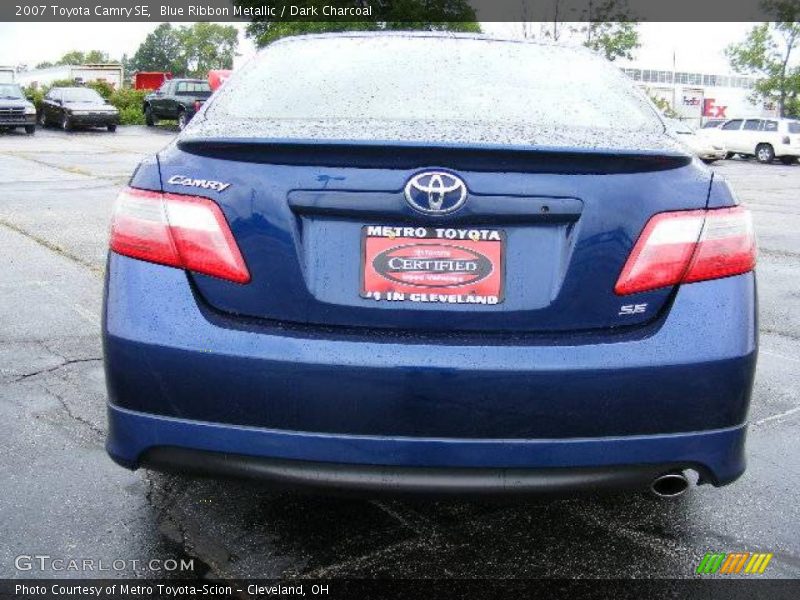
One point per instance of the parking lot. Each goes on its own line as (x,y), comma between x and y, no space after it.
(65,498)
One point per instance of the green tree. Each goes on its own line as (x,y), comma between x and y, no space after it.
(76,57)
(160,51)
(96,57)
(767,53)
(206,46)
(605,26)
(187,50)
(665,107)
(429,15)
(612,39)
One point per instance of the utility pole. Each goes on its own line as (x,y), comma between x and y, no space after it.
(674,83)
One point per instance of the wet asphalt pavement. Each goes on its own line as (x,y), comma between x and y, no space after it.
(63,497)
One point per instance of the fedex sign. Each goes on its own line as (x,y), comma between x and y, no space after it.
(712,109)
(690,103)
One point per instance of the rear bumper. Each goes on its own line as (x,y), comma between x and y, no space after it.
(392,479)
(94,120)
(713,154)
(182,376)
(419,464)
(787,150)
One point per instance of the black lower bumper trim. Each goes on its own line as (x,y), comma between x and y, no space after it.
(93,121)
(18,123)
(392,480)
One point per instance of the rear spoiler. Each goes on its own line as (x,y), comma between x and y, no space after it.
(394,155)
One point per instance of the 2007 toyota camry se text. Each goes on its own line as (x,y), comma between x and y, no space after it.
(497,273)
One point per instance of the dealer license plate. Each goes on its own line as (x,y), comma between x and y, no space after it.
(432,264)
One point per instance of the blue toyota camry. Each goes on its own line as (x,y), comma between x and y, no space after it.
(425,263)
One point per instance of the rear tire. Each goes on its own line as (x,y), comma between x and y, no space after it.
(30,129)
(42,119)
(149,118)
(66,124)
(765,154)
(112,128)
(182,120)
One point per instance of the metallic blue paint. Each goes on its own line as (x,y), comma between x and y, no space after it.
(305,264)
(295,365)
(717,454)
(170,356)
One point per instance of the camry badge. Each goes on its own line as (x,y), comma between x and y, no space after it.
(206,184)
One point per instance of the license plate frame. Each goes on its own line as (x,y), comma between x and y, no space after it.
(441,265)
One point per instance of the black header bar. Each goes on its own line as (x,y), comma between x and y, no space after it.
(734,588)
(381,10)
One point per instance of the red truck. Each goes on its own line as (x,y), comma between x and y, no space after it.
(217,77)
(150,80)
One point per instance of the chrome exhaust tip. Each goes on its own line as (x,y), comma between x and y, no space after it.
(670,485)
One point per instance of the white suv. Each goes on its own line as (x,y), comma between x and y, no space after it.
(766,139)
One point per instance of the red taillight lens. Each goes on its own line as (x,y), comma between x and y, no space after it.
(686,246)
(197,105)
(187,232)
(727,246)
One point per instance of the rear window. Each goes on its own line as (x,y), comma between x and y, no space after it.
(193,87)
(794,126)
(397,78)
(770,126)
(81,95)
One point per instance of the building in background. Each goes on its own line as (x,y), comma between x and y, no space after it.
(697,97)
(80,74)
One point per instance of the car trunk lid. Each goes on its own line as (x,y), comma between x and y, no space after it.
(300,211)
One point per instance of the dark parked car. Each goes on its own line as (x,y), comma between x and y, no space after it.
(15,109)
(431,263)
(71,107)
(177,99)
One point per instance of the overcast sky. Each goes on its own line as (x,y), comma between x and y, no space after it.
(698,46)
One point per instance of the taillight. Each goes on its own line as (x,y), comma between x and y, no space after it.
(197,105)
(187,232)
(687,246)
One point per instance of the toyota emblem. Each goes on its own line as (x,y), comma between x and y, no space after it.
(435,192)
